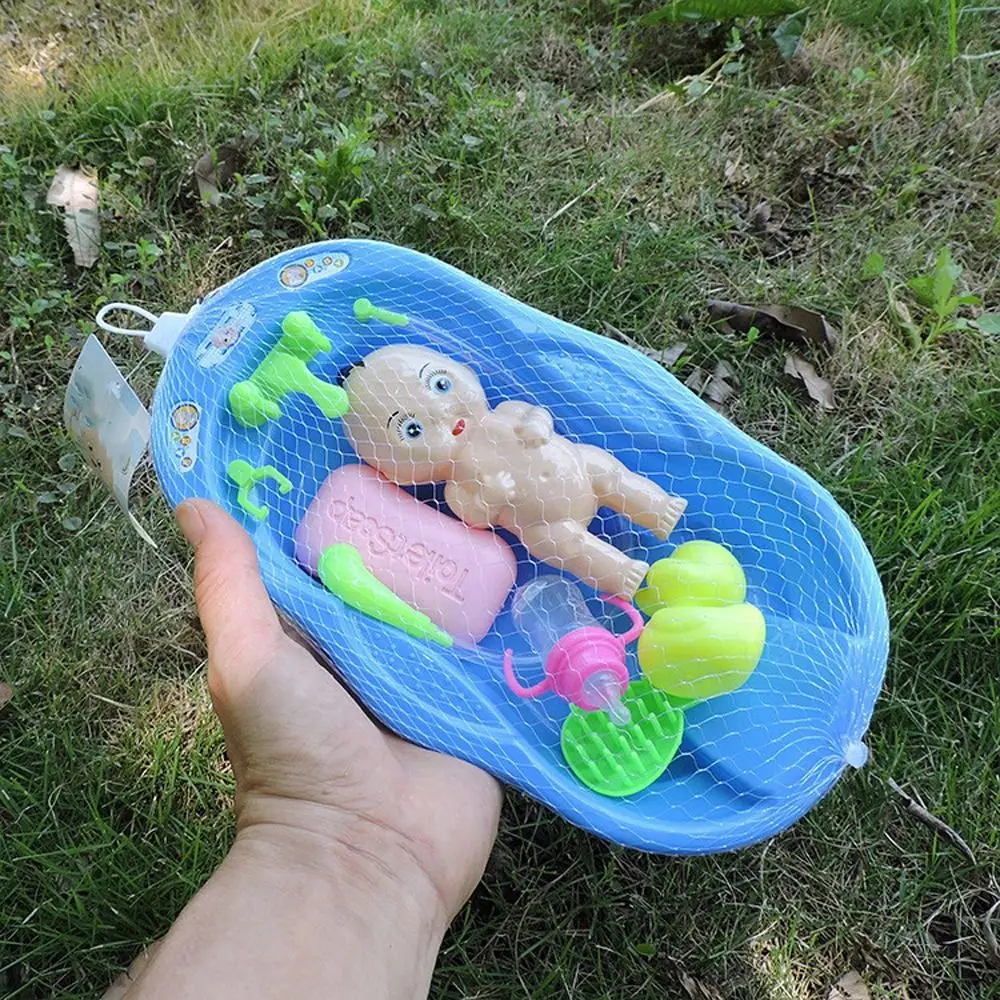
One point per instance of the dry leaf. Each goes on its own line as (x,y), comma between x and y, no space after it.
(792,323)
(714,388)
(697,990)
(75,192)
(621,252)
(6,693)
(214,171)
(818,388)
(718,390)
(737,173)
(723,370)
(759,217)
(696,380)
(672,354)
(206,179)
(667,357)
(904,318)
(850,986)
(903,312)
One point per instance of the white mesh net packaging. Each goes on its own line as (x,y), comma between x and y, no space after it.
(529,546)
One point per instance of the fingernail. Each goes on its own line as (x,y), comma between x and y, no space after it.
(191,522)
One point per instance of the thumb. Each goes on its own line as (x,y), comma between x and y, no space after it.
(240,622)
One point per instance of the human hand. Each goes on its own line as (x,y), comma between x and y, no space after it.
(316,778)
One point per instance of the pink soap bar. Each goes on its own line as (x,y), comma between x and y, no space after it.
(458,576)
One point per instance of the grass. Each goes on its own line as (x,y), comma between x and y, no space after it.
(460,131)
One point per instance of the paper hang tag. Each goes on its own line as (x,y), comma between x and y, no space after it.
(107,419)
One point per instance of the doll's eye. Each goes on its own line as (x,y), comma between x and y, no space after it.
(439,382)
(411,429)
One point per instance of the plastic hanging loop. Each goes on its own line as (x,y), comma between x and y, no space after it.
(128,308)
(162,334)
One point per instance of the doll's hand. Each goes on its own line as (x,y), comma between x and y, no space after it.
(315,777)
(532,424)
(499,492)
(536,427)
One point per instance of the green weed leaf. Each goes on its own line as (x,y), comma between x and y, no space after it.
(989,323)
(873,267)
(923,288)
(788,35)
(946,273)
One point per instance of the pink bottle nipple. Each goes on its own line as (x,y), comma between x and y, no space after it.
(586,667)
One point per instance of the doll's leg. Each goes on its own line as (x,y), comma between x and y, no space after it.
(639,499)
(570,546)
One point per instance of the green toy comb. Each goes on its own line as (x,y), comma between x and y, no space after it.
(622,760)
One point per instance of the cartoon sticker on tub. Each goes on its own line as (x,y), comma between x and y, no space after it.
(225,335)
(310,269)
(184,426)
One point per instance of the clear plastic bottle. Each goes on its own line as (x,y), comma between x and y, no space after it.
(548,608)
(584,662)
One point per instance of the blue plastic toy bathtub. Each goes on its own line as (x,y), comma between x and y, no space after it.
(751,761)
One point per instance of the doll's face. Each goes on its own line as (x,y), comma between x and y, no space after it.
(226,338)
(410,410)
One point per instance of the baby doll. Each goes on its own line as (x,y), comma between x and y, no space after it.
(417,416)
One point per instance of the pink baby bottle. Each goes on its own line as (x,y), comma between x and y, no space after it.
(584,662)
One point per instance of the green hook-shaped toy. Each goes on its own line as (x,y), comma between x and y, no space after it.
(245,476)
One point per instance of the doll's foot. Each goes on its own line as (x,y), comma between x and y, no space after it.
(633,579)
(669,517)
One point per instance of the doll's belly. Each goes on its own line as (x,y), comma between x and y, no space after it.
(551,486)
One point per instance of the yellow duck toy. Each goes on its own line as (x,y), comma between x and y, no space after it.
(702,639)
